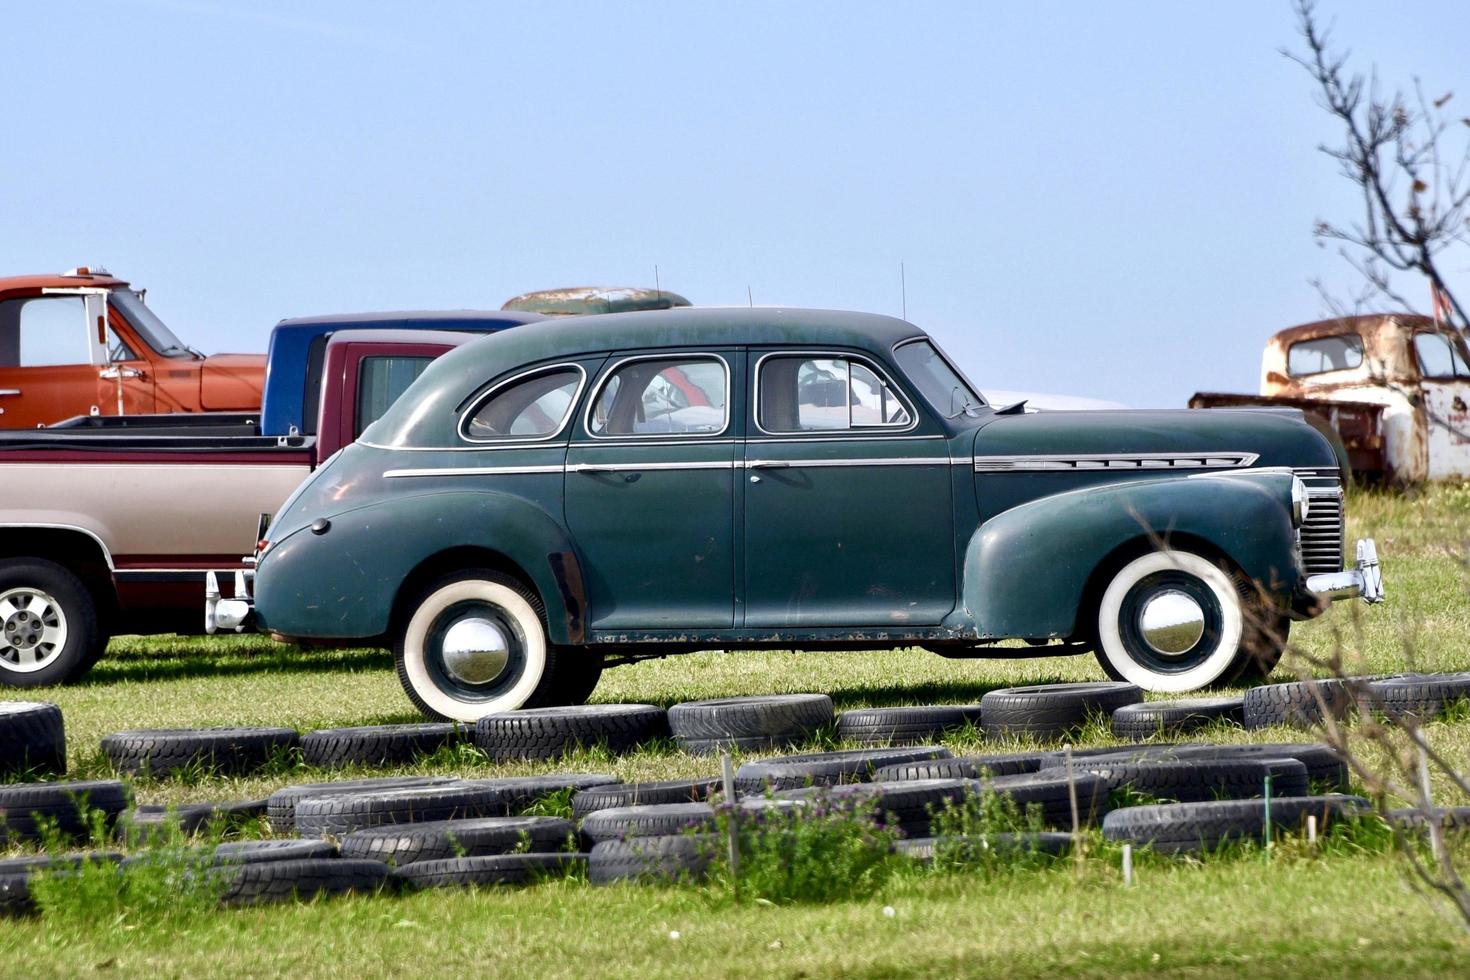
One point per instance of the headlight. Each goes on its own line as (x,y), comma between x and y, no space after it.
(1301,503)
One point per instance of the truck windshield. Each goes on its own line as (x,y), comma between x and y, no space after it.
(153,330)
(940,384)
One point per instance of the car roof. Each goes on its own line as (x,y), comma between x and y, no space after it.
(700,326)
(352,335)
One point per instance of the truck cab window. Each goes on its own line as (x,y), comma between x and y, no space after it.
(380,380)
(1439,357)
(1340,353)
(43,331)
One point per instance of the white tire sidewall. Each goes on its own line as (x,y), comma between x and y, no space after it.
(1232,626)
(515,607)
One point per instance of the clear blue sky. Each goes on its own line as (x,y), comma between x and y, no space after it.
(1112,200)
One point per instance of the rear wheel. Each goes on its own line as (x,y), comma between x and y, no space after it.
(48,624)
(1171,621)
(475,643)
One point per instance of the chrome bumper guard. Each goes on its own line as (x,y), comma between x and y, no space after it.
(233,613)
(1362,582)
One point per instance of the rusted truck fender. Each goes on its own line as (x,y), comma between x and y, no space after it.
(1028,571)
(346,581)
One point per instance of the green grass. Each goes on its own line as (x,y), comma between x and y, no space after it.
(1344,912)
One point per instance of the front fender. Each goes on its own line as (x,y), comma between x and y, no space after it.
(343,583)
(1026,569)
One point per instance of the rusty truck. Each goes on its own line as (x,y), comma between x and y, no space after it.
(1394,387)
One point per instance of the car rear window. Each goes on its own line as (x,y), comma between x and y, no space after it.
(1337,353)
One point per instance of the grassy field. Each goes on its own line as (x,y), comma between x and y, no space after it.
(1345,912)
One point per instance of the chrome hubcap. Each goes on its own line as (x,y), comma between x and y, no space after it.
(475,650)
(32,630)
(1171,622)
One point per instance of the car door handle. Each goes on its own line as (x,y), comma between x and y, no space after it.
(593,468)
(768,464)
(9,391)
(114,373)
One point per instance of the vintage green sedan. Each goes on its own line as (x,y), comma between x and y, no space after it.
(544,502)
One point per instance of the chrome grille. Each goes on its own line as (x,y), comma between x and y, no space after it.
(1322,535)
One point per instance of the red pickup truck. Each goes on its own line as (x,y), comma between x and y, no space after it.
(84,343)
(107,525)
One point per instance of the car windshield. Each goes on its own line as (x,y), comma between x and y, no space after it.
(941,386)
(149,326)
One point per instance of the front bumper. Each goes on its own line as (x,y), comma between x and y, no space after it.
(234,613)
(1364,581)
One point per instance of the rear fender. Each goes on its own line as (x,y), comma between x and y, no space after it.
(1027,570)
(345,583)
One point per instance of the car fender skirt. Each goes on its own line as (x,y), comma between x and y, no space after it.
(1027,571)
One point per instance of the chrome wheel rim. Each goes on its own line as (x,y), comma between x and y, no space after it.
(1171,622)
(32,630)
(475,650)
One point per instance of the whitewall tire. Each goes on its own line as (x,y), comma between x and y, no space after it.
(1171,621)
(474,644)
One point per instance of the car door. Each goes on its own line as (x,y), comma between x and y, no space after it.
(50,355)
(848,516)
(650,491)
(1444,380)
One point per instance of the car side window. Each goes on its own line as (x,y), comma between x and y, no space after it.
(535,406)
(804,393)
(1339,353)
(662,396)
(1438,357)
(43,331)
(380,380)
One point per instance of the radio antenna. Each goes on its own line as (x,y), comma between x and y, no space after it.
(903,290)
(749,296)
(657,288)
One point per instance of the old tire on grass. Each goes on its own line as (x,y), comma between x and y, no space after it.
(256,851)
(827,768)
(164,752)
(1297,704)
(338,816)
(1149,718)
(54,862)
(1052,710)
(642,794)
(1454,819)
(908,805)
(906,725)
(1422,696)
(686,857)
(769,721)
(49,629)
(518,793)
(377,745)
(149,818)
(281,805)
(654,820)
(1002,845)
(549,733)
(26,807)
(15,895)
(1174,828)
(963,767)
(32,739)
(402,844)
(279,881)
(1325,770)
(475,643)
(1199,780)
(490,869)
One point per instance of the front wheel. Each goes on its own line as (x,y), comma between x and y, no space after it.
(475,643)
(1171,621)
(48,624)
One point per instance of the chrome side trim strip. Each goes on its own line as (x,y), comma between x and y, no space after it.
(475,471)
(811,463)
(1084,462)
(626,467)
